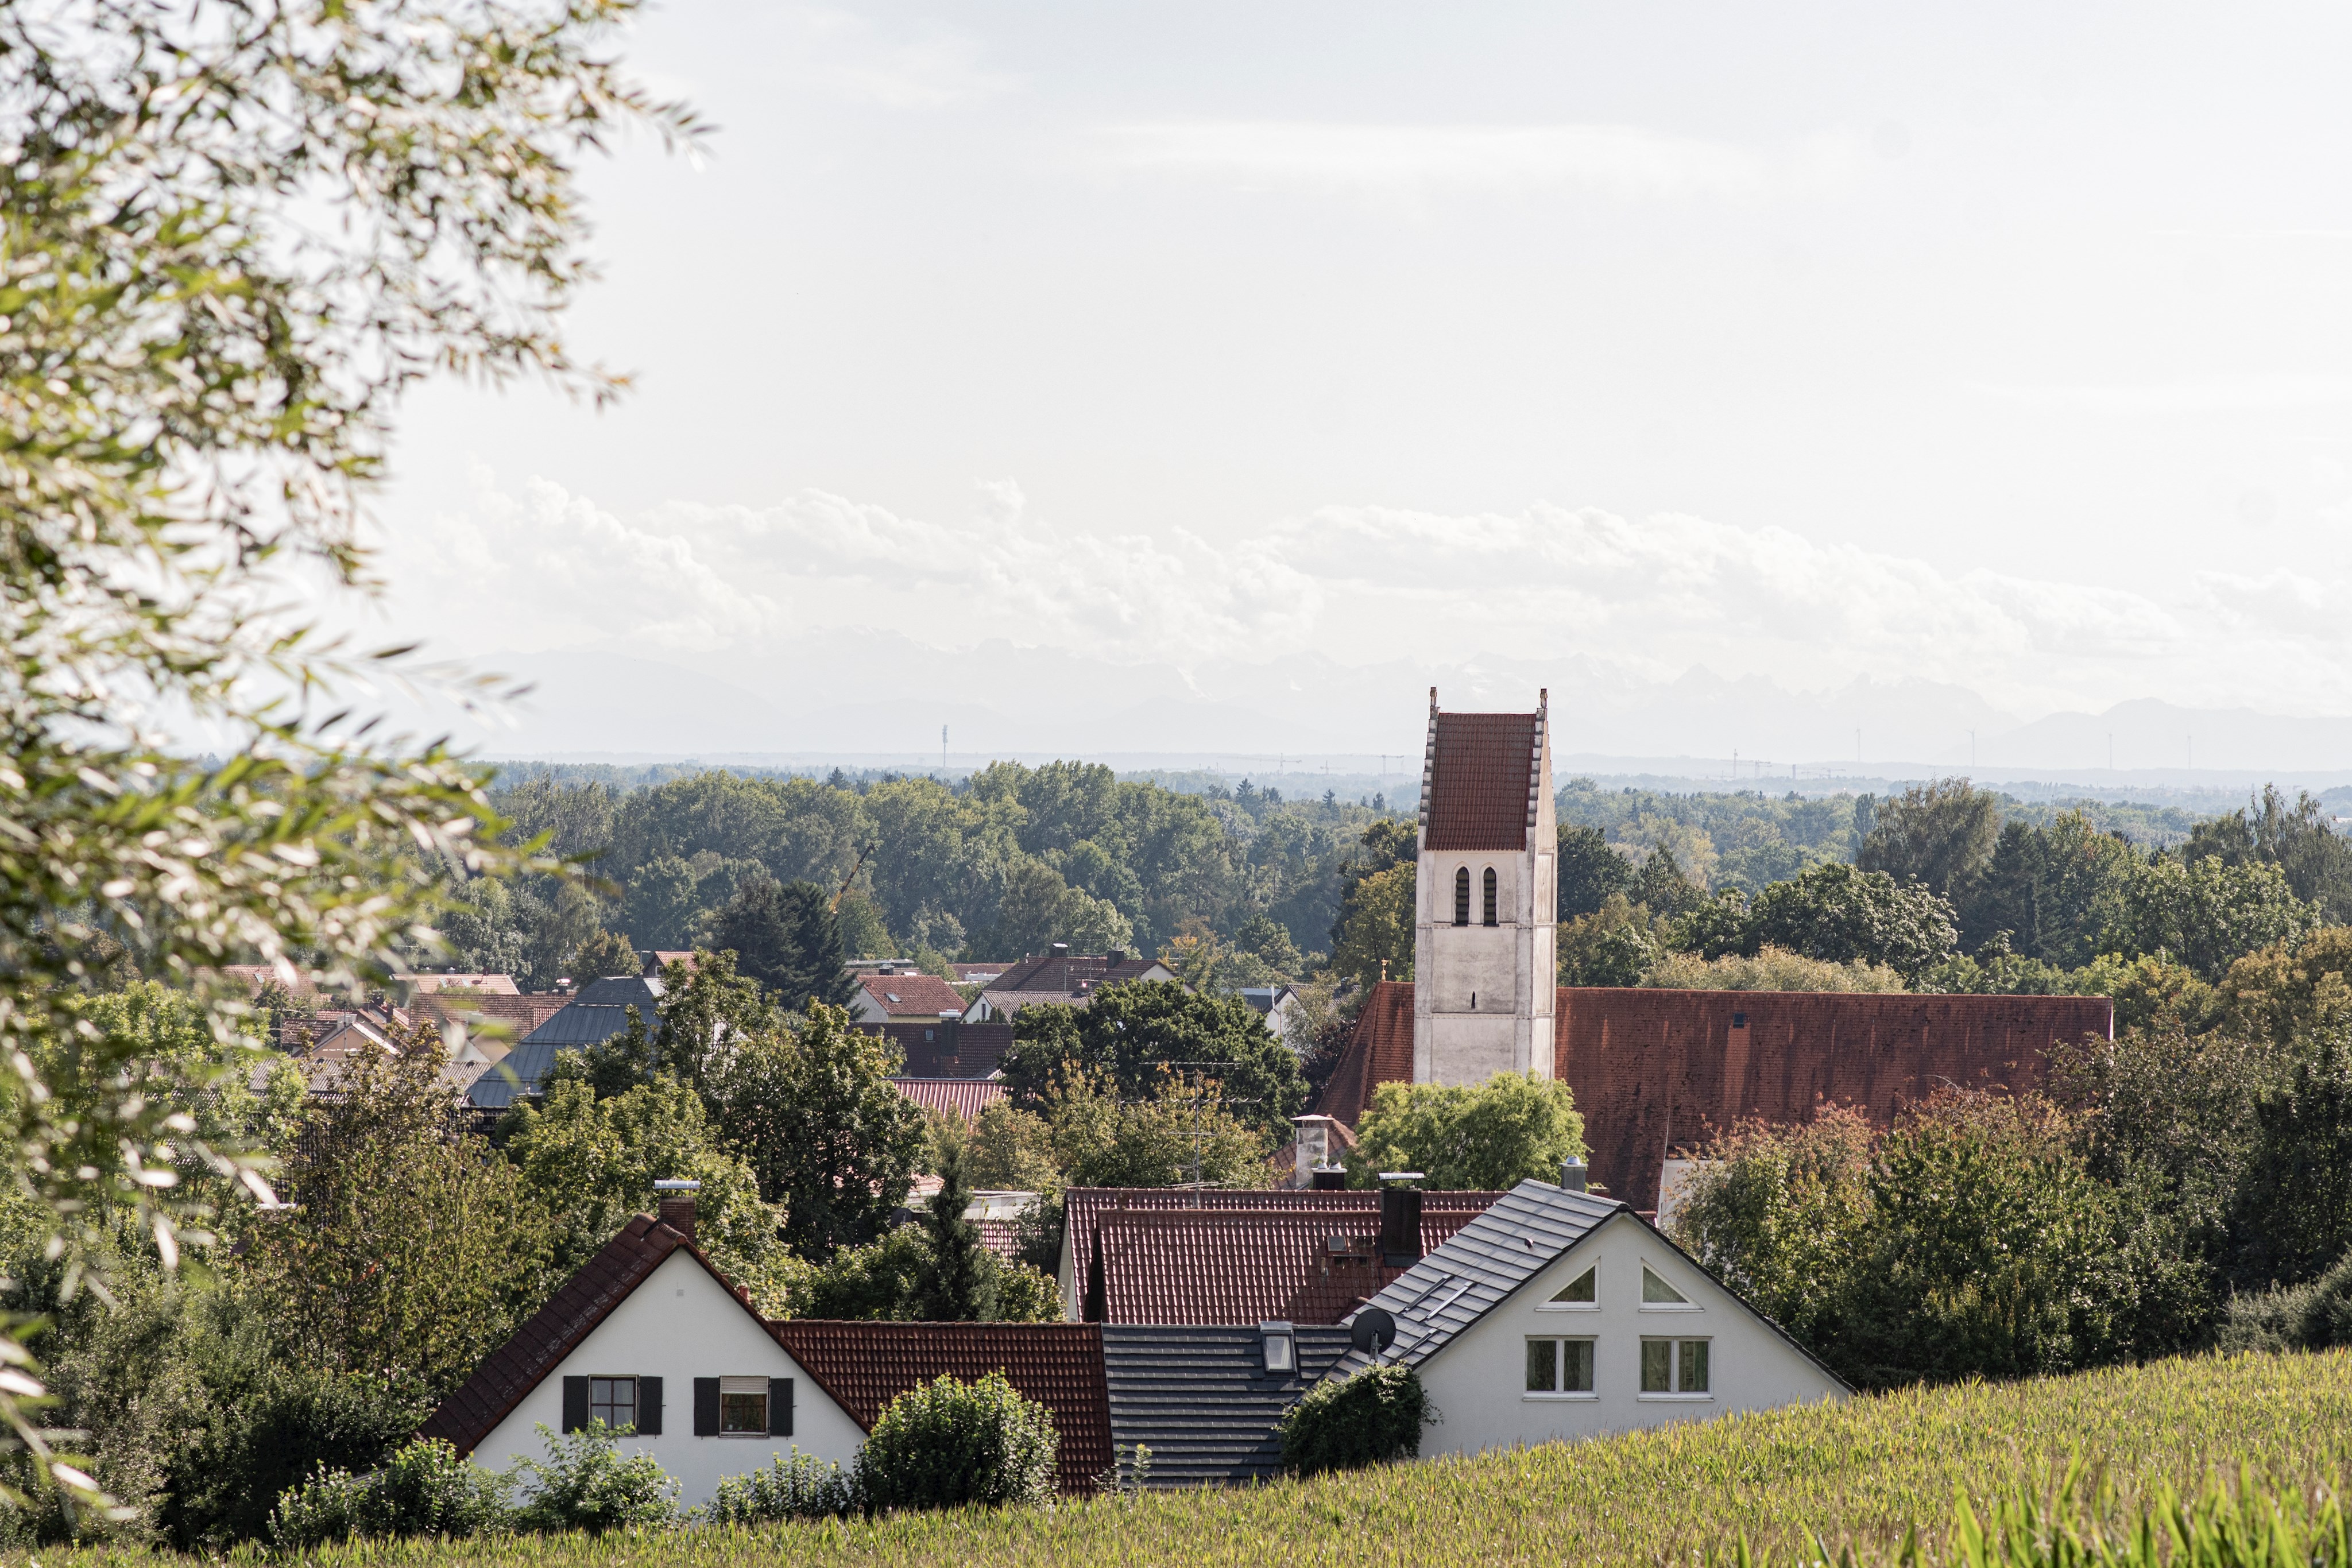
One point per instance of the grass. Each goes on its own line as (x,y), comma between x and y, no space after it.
(1862,1473)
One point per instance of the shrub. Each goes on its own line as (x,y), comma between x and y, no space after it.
(586,1484)
(425,1489)
(1027,1295)
(1770,969)
(2326,1319)
(1370,1419)
(806,1487)
(945,1443)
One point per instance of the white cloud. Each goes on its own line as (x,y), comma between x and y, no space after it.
(1362,585)
(2209,395)
(1621,160)
(932,68)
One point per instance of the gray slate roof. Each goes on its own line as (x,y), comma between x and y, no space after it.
(1200,1399)
(1514,1241)
(599,1012)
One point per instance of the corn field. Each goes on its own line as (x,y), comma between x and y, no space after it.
(2207,1461)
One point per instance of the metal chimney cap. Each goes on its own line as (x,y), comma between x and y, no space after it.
(1401,1176)
(668,1185)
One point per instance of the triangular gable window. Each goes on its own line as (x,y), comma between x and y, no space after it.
(1656,1290)
(1579,1289)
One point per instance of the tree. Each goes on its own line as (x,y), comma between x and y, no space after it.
(958,1282)
(1590,870)
(705,1008)
(1845,916)
(829,1135)
(606,953)
(950,1444)
(1615,946)
(2293,1212)
(2206,914)
(2291,990)
(1487,1137)
(2301,839)
(592,1162)
(785,937)
(1940,833)
(1373,939)
(1782,1215)
(1132,1033)
(1175,1131)
(412,1250)
(1660,886)
(1771,969)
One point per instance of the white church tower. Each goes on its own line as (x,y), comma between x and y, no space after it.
(1484,964)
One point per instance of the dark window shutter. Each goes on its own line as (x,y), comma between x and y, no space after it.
(575,1403)
(780,1407)
(648,1407)
(705,1408)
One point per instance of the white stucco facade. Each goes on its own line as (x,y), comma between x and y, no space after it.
(1477,1381)
(678,1326)
(1485,995)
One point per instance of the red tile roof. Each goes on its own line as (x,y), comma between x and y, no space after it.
(1479,780)
(945,1050)
(1651,1069)
(865,1365)
(512,1016)
(536,1349)
(912,995)
(1308,1265)
(1070,975)
(967,1097)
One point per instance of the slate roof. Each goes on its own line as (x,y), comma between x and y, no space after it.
(912,995)
(1514,1241)
(865,1365)
(1201,1399)
(967,1097)
(600,1011)
(1073,978)
(510,1372)
(1481,775)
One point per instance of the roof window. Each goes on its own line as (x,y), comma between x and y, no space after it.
(1279,1347)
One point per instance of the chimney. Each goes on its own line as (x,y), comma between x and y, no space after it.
(677,1199)
(1060,949)
(1331,1178)
(1314,1148)
(1573,1173)
(1116,956)
(1400,1220)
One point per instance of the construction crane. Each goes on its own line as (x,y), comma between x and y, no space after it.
(855,866)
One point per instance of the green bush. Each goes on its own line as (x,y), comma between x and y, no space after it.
(586,1484)
(1370,1419)
(2326,1318)
(806,1487)
(425,1489)
(946,1444)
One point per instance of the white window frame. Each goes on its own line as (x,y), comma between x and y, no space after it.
(1675,1369)
(1558,1365)
(1682,1306)
(1593,1269)
(740,1386)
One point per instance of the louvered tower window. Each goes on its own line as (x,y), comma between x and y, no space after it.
(1461,896)
(1490,895)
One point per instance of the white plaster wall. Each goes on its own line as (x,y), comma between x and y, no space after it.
(680,1326)
(1478,1383)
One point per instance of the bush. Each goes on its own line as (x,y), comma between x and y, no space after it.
(425,1489)
(806,1487)
(945,1443)
(1371,1418)
(586,1484)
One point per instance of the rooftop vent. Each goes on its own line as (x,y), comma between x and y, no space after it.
(1573,1174)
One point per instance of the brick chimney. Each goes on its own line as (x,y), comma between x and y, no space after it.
(676,1201)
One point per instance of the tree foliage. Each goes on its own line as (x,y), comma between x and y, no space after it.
(1133,1034)
(785,937)
(951,1444)
(1940,833)
(1485,1137)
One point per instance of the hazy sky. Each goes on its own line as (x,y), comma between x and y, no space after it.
(2009,346)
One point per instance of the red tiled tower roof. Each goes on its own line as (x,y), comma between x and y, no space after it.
(1651,1069)
(1479,779)
(865,1365)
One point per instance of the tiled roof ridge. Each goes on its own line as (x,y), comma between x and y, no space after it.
(574,1311)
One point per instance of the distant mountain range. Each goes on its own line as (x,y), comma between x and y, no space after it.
(882,696)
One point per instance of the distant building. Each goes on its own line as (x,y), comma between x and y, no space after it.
(904,998)
(1274,1004)
(416,985)
(1060,977)
(599,1012)
(947,1048)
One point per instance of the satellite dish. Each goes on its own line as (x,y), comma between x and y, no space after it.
(1373,1331)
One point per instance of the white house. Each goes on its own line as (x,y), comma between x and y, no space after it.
(648,1335)
(1555,1314)
(1485,976)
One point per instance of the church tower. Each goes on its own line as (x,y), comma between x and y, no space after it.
(1486,913)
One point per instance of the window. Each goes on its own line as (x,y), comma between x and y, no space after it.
(612,1401)
(1657,1293)
(1581,1291)
(742,1407)
(1280,1349)
(1674,1367)
(1462,896)
(1559,1366)
(1490,895)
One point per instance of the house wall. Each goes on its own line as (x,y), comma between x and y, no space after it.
(680,1326)
(1478,1383)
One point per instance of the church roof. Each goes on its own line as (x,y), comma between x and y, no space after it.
(1479,779)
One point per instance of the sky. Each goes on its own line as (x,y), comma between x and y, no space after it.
(2001,349)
